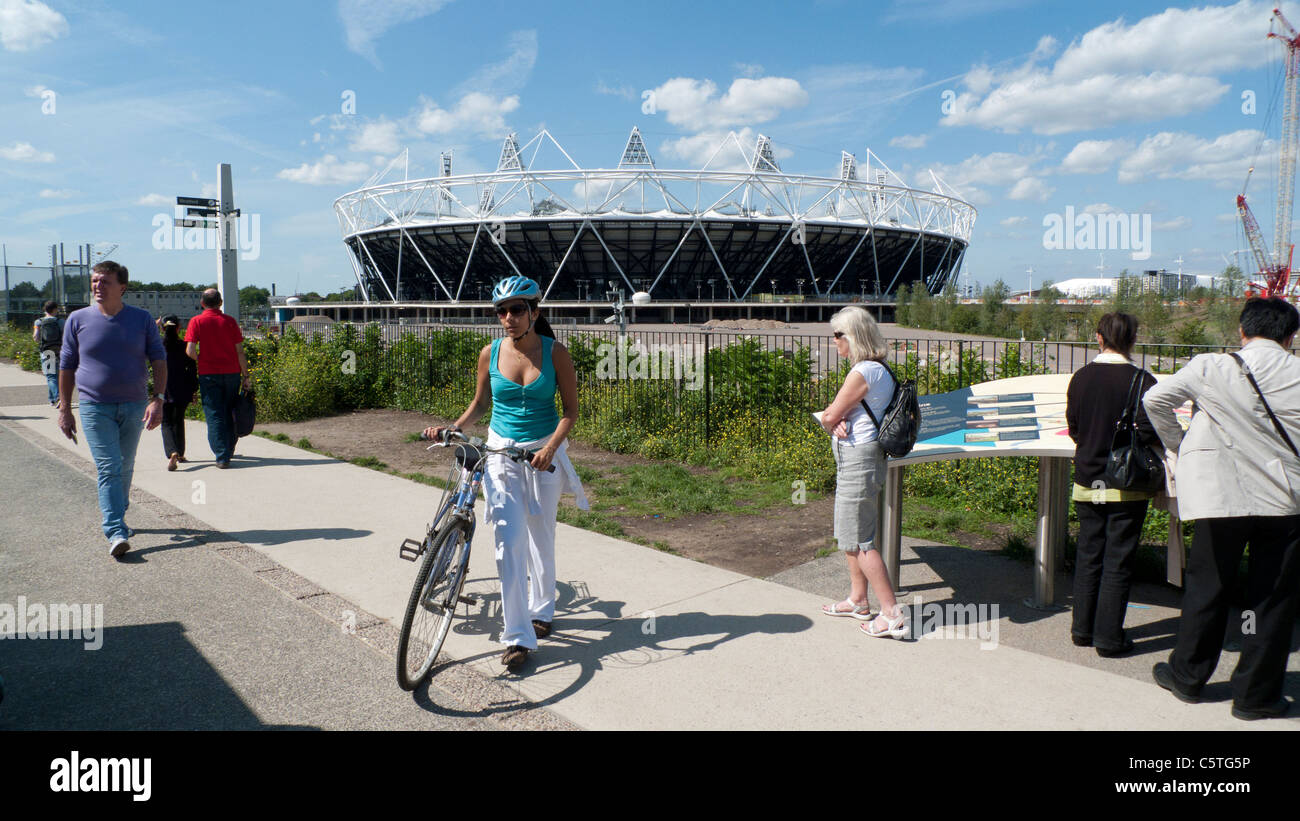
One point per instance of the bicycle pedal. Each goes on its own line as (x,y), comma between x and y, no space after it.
(410,550)
(472,602)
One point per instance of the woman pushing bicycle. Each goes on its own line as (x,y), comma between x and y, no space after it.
(518,377)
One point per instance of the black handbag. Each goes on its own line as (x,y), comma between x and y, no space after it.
(1133,465)
(244,413)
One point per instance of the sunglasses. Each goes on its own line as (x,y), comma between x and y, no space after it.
(514,309)
(838,334)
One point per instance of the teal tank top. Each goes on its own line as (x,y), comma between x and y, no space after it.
(524,412)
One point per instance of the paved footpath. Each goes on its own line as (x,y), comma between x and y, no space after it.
(644,640)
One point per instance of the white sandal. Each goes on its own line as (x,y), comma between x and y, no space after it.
(861,612)
(894,628)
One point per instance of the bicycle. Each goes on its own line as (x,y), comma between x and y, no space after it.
(446,547)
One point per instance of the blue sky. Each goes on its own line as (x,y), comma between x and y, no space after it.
(1024,107)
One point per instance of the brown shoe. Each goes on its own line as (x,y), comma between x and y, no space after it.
(542,629)
(514,657)
(171,463)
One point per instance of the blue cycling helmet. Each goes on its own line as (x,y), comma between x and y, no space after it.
(516,287)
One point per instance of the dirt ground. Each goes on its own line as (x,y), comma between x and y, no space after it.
(756,545)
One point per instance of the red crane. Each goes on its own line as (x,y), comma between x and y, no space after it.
(1276,269)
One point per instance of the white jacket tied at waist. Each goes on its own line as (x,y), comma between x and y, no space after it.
(569,482)
(1232,462)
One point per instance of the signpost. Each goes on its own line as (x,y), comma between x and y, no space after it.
(227,222)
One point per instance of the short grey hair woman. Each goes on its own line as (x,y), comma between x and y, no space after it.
(860,471)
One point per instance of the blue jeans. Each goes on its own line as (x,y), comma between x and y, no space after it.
(50,367)
(219,391)
(112,431)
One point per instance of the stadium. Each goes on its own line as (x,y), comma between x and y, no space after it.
(738,231)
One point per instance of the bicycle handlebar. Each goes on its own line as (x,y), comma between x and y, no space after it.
(517,454)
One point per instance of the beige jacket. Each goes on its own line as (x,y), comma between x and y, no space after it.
(1232,462)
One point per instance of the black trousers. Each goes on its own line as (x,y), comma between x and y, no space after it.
(1272,589)
(173,428)
(1103,569)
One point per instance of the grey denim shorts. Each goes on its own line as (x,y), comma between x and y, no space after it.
(859,473)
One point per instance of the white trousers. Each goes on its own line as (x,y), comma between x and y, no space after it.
(521,508)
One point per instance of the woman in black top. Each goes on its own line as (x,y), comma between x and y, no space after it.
(1110,519)
(182,382)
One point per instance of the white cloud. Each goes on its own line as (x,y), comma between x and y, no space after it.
(477,114)
(1010,222)
(25,152)
(696,149)
(910,141)
(696,105)
(1046,105)
(365,21)
(1100,208)
(625,91)
(750,70)
(29,24)
(328,171)
(1204,40)
(381,137)
(1173,224)
(998,168)
(154,200)
(511,73)
(1030,188)
(35,91)
(1094,156)
(1178,155)
(1155,68)
(57,194)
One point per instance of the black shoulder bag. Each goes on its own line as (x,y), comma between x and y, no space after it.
(1280,430)
(1133,465)
(897,429)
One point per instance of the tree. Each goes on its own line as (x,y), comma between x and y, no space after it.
(1232,281)
(1048,321)
(994,314)
(1153,316)
(252,297)
(903,305)
(1128,289)
(922,313)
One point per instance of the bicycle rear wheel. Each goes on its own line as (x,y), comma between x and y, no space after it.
(433,603)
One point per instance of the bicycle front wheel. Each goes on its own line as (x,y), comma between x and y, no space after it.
(433,603)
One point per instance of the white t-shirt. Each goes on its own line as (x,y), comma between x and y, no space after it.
(880,389)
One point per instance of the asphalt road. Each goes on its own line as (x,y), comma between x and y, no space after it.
(198,632)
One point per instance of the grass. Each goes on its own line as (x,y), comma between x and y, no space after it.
(668,491)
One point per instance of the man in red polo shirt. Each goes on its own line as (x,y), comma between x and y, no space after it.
(215,342)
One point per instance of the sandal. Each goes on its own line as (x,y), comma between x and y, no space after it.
(514,657)
(861,612)
(894,628)
(541,629)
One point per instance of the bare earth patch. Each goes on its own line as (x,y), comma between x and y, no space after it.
(757,545)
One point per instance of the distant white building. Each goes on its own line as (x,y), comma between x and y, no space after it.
(1086,287)
(185,304)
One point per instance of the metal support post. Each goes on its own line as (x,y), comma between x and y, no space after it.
(889,525)
(1050,531)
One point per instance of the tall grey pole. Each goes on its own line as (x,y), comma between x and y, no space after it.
(228,247)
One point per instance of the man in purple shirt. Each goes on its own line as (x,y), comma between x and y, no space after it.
(105,347)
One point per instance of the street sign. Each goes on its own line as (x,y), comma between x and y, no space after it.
(198,201)
(200,212)
(186,223)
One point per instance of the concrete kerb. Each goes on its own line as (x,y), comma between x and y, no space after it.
(646,640)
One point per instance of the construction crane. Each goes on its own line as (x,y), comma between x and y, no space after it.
(1276,269)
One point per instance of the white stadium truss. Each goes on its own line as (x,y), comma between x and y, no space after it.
(741,223)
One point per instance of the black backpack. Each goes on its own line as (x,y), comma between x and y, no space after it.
(51,334)
(897,430)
